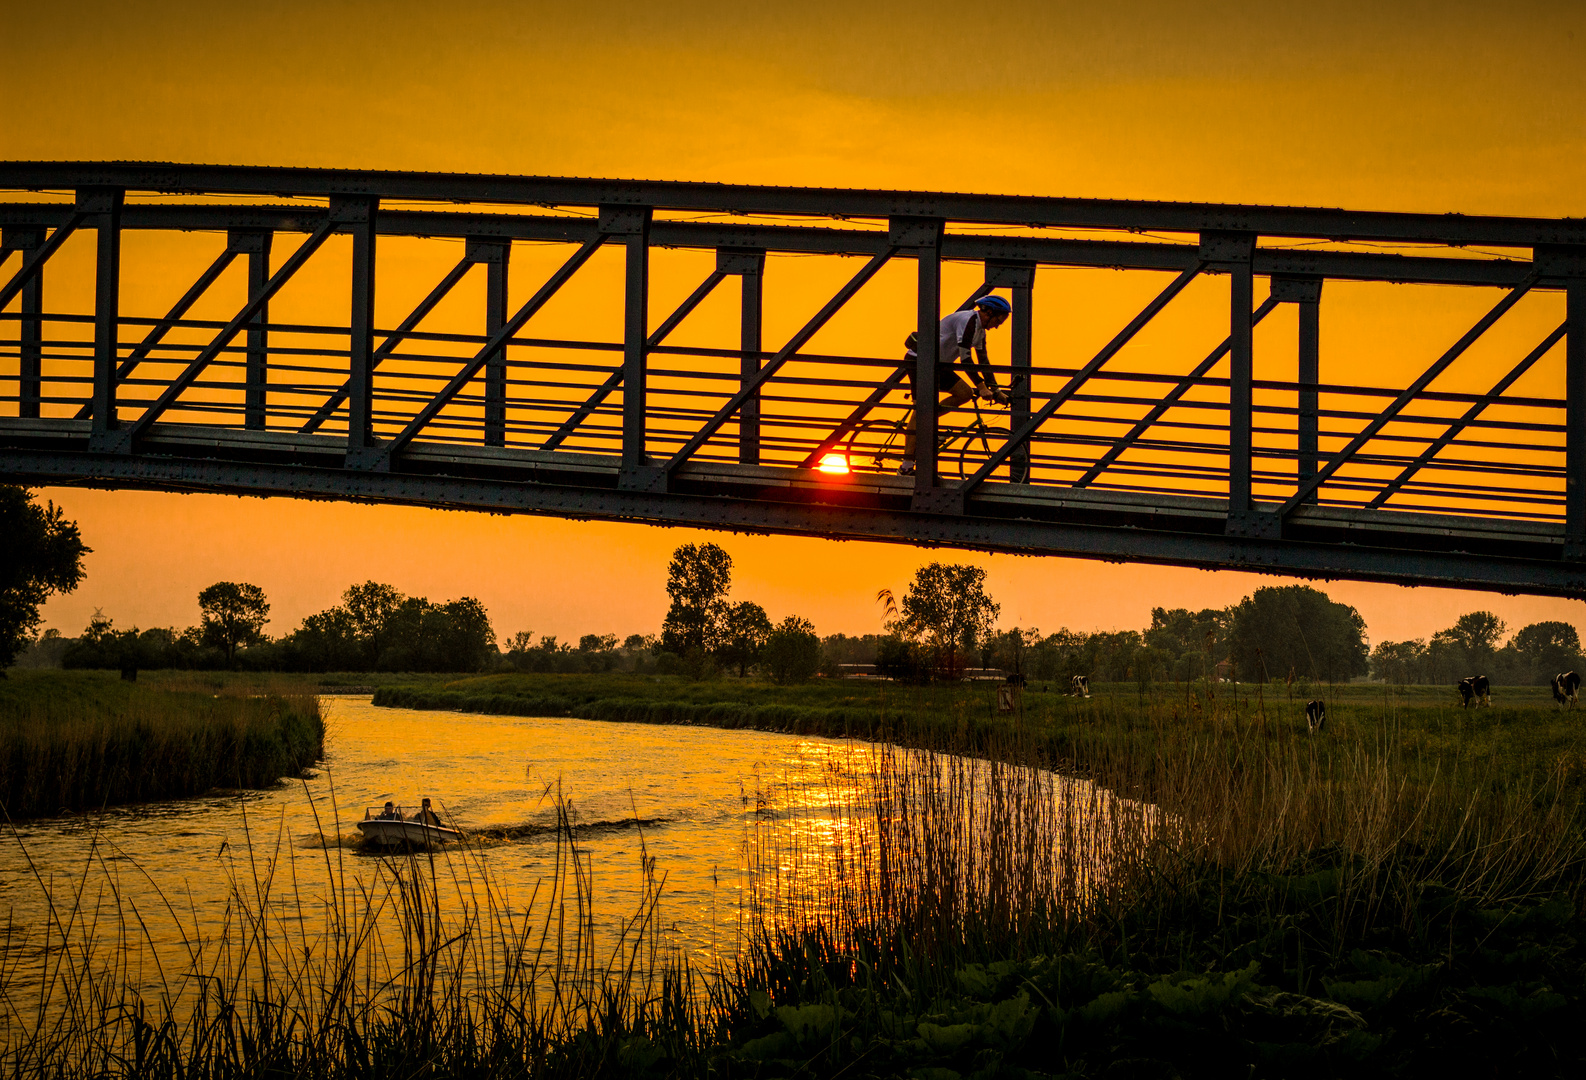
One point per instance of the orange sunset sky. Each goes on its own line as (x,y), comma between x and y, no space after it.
(1478,108)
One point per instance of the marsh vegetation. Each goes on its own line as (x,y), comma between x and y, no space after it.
(1235,897)
(84,740)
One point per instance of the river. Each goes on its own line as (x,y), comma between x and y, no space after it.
(686,806)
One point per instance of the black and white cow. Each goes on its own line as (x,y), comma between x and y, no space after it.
(1315,716)
(1082,686)
(1566,689)
(1475,689)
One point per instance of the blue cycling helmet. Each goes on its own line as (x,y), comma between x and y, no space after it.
(994,303)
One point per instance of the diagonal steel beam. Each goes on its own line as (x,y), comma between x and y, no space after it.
(158,331)
(381,461)
(388,346)
(863,409)
(1178,391)
(1475,410)
(614,380)
(1421,383)
(32,266)
(797,342)
(1072,387)
(127,435)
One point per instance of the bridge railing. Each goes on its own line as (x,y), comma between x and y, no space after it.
(1166,352)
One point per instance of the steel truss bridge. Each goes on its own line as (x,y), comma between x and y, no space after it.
(1448,466)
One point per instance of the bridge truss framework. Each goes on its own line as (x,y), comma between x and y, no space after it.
(1208,465)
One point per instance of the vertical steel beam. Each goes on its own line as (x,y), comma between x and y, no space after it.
(30,332)
(1233,253)
(1019,278)
(632,226)
(1306,293)
(494,254)
(1310,376)
(255,409)
(104,206)
(924,236)
(1575,417)
(357,216)
(750,268)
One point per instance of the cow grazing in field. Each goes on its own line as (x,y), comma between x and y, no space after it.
(1566,689)
(1082,686)
(1475,689)
(1315,716)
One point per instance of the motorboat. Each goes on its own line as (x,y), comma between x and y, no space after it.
(391,826)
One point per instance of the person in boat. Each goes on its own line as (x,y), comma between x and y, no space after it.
(426,816)
(390,811)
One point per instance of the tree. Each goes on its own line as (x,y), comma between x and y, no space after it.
(371,607)
(1401,662)
(792,652)
(1478,633)
(1545,649)
(40,553)
(948,607)
(697,580)
(1295,627)
(597,643)
(232,614)
(744,631)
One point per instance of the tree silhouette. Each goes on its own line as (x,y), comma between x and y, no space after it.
(744,631)
(233,613)
(947,605)
(697,580)
(40,553)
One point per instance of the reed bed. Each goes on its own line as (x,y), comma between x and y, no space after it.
(75,741)
(1216,895)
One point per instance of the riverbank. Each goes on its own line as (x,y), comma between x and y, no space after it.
(1119,734)
(82,740)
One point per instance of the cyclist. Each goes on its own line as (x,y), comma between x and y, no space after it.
(961,337)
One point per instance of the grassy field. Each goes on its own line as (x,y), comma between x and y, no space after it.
(1119,729)
(81,740)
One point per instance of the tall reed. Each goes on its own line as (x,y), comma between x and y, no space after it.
(73,741)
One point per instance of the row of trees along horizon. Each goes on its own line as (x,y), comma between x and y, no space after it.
(944,624)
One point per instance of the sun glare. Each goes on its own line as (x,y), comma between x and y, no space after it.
(834,463)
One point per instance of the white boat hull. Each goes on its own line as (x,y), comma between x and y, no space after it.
(394,832)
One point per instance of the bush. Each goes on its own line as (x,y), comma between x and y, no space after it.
(792,653)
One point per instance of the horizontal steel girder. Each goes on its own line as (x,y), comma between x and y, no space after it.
(1108,254)
(741,198)
(1425,550)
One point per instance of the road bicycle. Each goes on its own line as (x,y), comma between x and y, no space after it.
(877,445)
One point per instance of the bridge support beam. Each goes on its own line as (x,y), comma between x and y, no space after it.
(358,217)
(495,255)
(1306,293)
(256,245)
(103,205)
(1234,253)
(29,241)
(1570,264)
(924,237)
(750,268)
(632,226)
(1019,279)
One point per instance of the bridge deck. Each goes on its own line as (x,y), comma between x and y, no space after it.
(1208,427)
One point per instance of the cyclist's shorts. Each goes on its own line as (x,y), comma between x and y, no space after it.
(946,376)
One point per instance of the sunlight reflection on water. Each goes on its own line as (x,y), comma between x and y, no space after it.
(734,821)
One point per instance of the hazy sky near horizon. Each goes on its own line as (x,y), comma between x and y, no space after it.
(1414,106)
